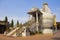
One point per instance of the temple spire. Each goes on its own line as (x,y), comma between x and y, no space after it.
(46,8)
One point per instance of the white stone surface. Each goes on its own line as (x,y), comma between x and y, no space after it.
(5,33)
(12,32)
(33,9)
(14,35)
(46,8)
(47,31)
(24,32)
(30,17)
(47,19)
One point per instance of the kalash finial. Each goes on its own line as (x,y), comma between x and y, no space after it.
(45,3)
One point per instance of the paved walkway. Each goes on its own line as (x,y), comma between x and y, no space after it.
(33,37)
(57,35)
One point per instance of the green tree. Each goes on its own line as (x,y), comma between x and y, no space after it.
(6,19)
(12,23)
(17,23)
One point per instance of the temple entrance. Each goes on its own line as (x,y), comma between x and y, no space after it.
(2,29)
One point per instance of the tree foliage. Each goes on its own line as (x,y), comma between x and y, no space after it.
(17,23)
(6,19)
(12,23)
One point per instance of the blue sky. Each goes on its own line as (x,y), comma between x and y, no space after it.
(17,9)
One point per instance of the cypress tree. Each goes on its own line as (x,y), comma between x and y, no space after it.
(6,19)
(17,23)
(12,23)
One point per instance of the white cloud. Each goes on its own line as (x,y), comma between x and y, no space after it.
(20,19)
(15,18)
(2,18)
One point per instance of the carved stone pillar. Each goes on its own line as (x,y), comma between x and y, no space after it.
(36,21)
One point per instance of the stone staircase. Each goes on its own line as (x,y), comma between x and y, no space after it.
(13,32)
(16,32)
